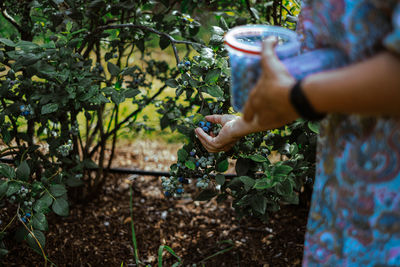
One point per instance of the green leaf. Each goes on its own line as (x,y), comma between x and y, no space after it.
(60,207)
(262,184)
(7,171)
(132,92)
(57,190)
(206,195)
(13,188)
(281,171)
(43,203)
(49,108)
(3,188)
(74,182)
(26,45)
(3,252)
(220,179)
(90,164)
(242,166)
(247,181)
(118,97)
(113,69)
(39,222)
(172,83)
(222,166)
(212,76)
(34,237)
(259,204)
(284,188)
(215,90)
(258,158)
(313,126)
(182,154)
(7,42)
(164,42)
(190,164)
(170,250)
(217,30)
(23,171)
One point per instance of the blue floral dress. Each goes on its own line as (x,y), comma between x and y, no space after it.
(355,212)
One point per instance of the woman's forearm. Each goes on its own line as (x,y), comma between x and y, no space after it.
(371,87)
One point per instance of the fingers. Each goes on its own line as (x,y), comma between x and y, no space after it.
(214,118)
(268,52)
(206,140)
(210,143)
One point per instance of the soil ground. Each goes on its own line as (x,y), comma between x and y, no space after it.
(201,233)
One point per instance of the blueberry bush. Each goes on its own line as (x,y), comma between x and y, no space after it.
(66,68)
(261,185)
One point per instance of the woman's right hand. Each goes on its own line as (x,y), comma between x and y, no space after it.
(227,136)
(233,128)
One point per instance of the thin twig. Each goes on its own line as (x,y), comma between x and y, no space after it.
(11,20)
(250,10)
(287,10)
(106,135)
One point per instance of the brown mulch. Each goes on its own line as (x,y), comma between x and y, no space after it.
(99,232)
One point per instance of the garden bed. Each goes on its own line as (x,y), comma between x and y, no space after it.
(99,232)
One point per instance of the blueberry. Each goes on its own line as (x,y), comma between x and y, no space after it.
(192,153)
(197,164)
(22,108)
(202,124)
(24,219)
(115,56)
(187,63)
(28,215)
(183,180)
(208,124)
(206,129)
(179,191)
(167,194)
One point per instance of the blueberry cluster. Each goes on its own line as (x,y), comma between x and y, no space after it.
(75,128)
(173,186)
(184,65)
(26,217)
(22,195)
(208,127)
(203,162)
(65,149)
(214,108)
(203,182)
(26,110)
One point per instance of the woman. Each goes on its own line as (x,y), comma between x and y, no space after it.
(355,212)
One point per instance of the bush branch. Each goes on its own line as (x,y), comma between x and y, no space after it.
(144,28)
(120,124)
(11,19)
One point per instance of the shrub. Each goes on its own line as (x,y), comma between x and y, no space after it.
(67,65)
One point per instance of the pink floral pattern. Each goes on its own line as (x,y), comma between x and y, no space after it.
(355,212)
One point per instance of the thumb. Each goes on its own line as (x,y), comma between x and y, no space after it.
(268,52)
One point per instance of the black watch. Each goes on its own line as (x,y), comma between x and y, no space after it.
(302,105)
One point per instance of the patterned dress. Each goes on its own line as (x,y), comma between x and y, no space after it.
(355,212)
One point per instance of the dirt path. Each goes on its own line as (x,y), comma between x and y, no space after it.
(99,232)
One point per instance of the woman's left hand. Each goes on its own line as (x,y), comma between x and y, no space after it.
(268,103)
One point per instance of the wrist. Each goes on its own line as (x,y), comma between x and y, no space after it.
(302,104)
